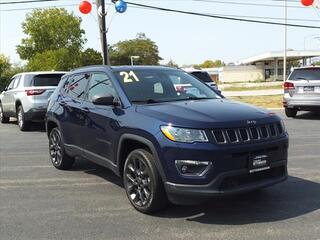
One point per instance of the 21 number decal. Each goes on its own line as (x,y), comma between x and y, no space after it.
(129,77)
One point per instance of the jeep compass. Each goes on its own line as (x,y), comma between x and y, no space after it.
(166,145)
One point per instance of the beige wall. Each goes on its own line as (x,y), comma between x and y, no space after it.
(242,74)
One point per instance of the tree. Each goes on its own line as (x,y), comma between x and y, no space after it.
(121,52)
(7,70)
(59,60)
(171,63)
(91,57)
(211,64)
(50,30)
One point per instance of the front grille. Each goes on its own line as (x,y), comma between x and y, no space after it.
(250,134)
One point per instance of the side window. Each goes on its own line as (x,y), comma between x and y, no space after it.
(16,82)
(100,84)
(158,88)
(75,86)
(10,86)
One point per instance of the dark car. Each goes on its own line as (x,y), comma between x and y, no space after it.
(166,145)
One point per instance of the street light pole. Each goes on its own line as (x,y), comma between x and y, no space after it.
(285,41)
(134,57)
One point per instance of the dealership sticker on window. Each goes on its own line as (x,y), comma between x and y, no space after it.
(129,77)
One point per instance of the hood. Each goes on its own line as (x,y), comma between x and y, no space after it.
(216,113)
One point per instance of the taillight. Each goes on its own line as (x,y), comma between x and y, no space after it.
(288,86)
(32,92)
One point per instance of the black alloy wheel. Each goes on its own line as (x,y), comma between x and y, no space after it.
(143,183)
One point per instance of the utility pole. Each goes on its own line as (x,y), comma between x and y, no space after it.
(101,9)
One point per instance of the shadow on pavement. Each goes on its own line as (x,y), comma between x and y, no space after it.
(94,169)
(290,199)
(34,127)
(308,115)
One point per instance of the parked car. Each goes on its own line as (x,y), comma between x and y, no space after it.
(26,97)
(302,91)
(166,145)
(203,76)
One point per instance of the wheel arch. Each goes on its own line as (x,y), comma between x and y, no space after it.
(129,142)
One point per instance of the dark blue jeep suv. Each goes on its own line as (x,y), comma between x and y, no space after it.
(167,134)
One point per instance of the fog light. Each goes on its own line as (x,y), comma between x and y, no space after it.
(193,168)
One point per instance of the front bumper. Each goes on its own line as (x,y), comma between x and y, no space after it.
(228,183)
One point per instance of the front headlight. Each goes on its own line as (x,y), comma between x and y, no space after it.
(283,126)
(184,135)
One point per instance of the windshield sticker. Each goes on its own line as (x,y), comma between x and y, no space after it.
(129,77)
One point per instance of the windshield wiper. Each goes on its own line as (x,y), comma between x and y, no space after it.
(194,98)
(147,101)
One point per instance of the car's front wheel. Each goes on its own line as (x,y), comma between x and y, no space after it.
(142,182)
(22,123)
(3,119)
(291,112)
(58,156)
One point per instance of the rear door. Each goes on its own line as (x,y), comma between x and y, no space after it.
(73,118)
(306,82)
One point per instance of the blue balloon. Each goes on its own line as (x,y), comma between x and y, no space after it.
(121,6)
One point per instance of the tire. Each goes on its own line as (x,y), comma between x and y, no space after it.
(22,123)
(142,182)
(3,119)
(58,156)
(291,112)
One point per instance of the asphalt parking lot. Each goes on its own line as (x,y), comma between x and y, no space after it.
(39,202)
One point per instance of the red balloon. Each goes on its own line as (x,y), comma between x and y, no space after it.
(307,3)
(85,7)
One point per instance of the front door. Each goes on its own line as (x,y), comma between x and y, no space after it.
(101,123)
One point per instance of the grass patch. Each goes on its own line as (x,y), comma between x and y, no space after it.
(252,88)
(274,101)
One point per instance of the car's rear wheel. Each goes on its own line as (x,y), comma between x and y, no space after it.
(291,112)
(142,182)
(22,123)
(3,119)
(58,156)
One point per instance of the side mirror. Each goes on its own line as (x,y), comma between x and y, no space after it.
(105,100)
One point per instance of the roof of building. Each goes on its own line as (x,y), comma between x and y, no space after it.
(291,55)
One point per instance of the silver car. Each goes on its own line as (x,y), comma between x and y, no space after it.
(26,97)
(302,91)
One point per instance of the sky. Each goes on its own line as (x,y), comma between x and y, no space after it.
(183,38)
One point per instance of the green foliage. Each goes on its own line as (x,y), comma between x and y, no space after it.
(211,64)
(58,60)
(141,46)
(171,63)
(7,70)
(63,60)
(317,63)
(91,57)
(50,30)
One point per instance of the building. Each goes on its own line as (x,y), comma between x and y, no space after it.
(271,63)
(263,67)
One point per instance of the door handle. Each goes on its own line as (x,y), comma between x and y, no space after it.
(86,109)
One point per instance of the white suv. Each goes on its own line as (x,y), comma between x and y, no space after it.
(26,97)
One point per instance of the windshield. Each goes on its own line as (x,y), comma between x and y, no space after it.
(203,76)
(158,85)
(305,74)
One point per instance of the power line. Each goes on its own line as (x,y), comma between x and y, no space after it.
(245,3)
(220,17)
